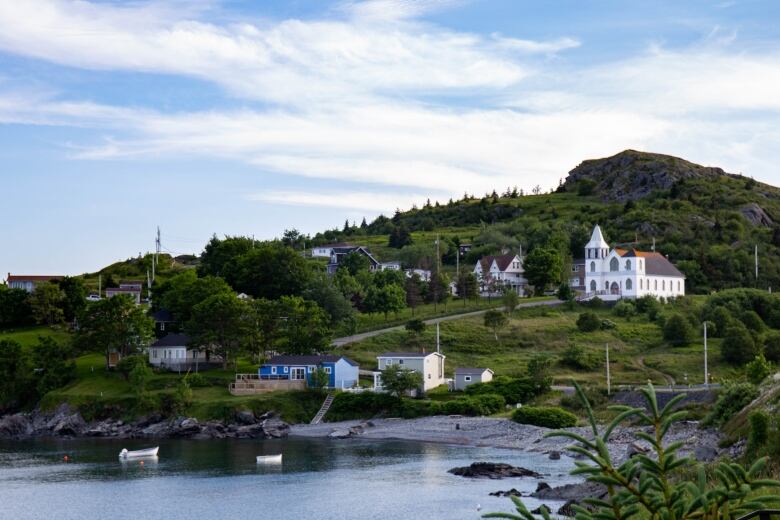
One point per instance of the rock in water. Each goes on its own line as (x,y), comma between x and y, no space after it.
(494,470)
(511,493)
(566,509)
(542,486)
(555,455)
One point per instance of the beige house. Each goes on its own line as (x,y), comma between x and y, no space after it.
(430,365)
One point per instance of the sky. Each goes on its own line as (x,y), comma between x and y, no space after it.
(248,118)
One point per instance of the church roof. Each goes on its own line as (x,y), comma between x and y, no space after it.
(655,263)
(597,239)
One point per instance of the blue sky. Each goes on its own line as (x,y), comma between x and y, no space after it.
(236,117)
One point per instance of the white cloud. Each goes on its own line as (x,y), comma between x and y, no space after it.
(371,202)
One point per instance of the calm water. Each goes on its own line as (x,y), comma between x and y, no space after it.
(319,479)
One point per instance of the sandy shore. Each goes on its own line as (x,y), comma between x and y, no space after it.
(503,433)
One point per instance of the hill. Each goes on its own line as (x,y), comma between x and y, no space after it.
(705,220)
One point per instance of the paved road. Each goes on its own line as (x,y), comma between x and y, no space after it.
(359,337)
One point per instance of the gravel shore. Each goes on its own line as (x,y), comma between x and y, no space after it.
(503,433)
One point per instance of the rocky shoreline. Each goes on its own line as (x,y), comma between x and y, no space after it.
(67,422)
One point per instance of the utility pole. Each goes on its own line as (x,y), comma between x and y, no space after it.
(148,286)
(609,383)
(100,283)
(756,257)
(653,244)
(438,343)
(706,373)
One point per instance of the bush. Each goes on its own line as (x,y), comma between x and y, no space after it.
(588,322)
(596,396)
(624,309)
(648,305)
(678,331)
(578,357)
(128,363)
(757,370)
(608,324)
(759,431)
(544,416)
(365,405)
(565,293)
(738,346)
(733,398)
(484,404)
(772,347)
(596,303)
(196,380)
(752,321)
(513,390)
(723,320)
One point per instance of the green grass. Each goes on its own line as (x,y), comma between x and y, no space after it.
(28,336)
(637,350)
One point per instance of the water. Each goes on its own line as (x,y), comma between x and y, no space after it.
(319,479)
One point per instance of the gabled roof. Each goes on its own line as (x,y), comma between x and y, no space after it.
(32,278)
(352,249)
(308,360)
(471,371)
(502,261)
(597,240)
(408,354)
(172,340)
(655,263)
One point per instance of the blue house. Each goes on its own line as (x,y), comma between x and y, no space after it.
(342,372)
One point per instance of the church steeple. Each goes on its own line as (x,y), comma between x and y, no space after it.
(597,248)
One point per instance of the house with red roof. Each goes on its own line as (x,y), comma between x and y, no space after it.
(496,272)
(28,282)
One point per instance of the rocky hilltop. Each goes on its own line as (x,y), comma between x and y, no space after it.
(632,175)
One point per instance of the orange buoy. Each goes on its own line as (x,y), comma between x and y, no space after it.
(65,458)
(141,463)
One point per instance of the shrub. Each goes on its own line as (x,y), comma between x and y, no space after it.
(596,303)
(513,390)
(733,398)
(624,309)
(544,416)
(772,347)
(196,380)
(596,396)
(722,319)
(738,346)
(578,357)
(363,406)
(759,431)
(565,293)
(588,322)
(586,187)
(648,305)
(752,321)
(678,331)
(608,324)
(757,370)
(128,363)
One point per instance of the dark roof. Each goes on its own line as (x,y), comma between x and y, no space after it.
(655,263)
(307,360)
(579,261)
(123,289)
(355,249)
(172,340)
(32,278)
(162,315)
(407,354)
(470,371)
(502,261)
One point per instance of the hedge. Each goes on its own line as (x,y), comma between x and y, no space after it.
(544,416)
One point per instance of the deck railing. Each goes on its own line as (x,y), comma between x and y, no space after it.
(762,514)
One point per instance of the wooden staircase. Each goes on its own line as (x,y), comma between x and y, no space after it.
(323,409)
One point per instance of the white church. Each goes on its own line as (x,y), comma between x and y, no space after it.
(616,273)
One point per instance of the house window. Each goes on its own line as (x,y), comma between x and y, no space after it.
(614,265)
(655,285)
(311,368)
(606,286)
(327,370)
(467,378)
(273,370)
(400,361)
(286,369)
(162,325)
(593,267)
(593,285)
(628,265)
(429,376)
(629,285)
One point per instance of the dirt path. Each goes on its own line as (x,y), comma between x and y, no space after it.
(364,335)
(640,363)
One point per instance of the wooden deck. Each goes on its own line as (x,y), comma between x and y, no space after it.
(251,384)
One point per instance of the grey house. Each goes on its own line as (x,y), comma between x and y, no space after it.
(469,376)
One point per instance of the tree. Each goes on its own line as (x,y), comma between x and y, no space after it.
(738,346)
(15,309)
(467,286)
(305,328)
(399,236)
(322,290)
(539,368)
(355,262)
(510,300)
(263,325)
(565,293)
(217,324)
(397,380)
(14,376)
(772,347)
(220,256)
(677,331)
(390,298)
(413,293)
(542,267)
(183,292)
(271,271)
(757,370)
(53,364)
(75,297)
(46,302)
(113,324)
(415,328)
(653,485)
(438,288)
(495,321)
(588,322)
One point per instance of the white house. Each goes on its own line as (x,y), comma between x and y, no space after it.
(612,274)
(172,352)
(394,265)
(132,290)
(28,283)
(468,376)
(326,250)
(430,365)
(494,273)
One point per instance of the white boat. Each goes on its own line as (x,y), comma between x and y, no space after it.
(136,454)
(269,459)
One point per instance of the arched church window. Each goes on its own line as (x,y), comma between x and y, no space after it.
(663,285)
(628,265)
(593,285)
(655,285)
(614,265)
(593,267)
(629,284)
(606,286)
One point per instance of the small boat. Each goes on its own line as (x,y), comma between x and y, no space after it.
(269,459)
(148,452)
